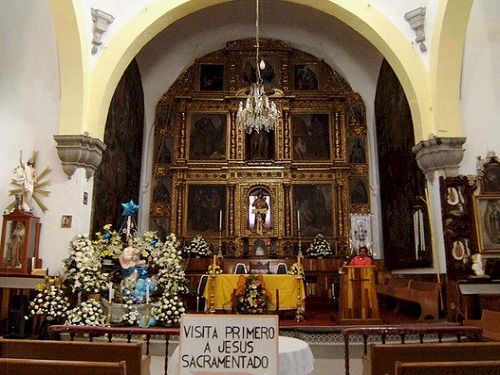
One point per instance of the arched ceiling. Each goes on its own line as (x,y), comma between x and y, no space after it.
(96,88)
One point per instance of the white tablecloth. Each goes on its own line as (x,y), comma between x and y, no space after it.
(295,357)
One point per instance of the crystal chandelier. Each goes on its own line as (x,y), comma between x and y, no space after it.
(258,113)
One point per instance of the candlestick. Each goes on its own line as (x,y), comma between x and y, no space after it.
(415,233)
(421,228)
(147,293)
(298,220)
(110,292)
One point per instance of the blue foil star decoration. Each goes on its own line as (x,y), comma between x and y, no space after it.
(130,208)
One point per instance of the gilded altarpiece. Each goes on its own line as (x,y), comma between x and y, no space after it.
(247,193)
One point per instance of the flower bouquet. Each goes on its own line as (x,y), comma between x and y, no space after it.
(169,310)
(319,247)
(51,301)
(108,243)
(198,247)
(251,297)
(87,313)
(296,269)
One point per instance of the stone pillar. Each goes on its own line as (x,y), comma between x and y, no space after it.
(438,157)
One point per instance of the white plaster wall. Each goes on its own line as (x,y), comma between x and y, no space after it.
(29,117)
(480,94)
(176,48)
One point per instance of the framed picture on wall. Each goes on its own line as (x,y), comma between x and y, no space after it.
(306,76)
(211,77)
(311,136)
(487,215)
(206,207)
(249,73)
(313,206)
(207,136)
(358,189)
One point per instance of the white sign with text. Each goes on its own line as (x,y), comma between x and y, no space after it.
(222,344)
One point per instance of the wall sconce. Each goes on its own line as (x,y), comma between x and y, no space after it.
(101,20)
(416,20)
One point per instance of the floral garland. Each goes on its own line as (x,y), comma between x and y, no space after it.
(198,246)
(171,281)
(83,267)
(319,247)
(87,313)
(51,300)
(251,296)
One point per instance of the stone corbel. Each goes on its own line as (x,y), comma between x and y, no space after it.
(79,151)
(416,18)
(101,20)
(439,154)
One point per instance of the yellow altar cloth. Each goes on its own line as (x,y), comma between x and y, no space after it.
(286,284)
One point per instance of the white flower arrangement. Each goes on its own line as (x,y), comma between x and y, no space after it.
(51,300)
(319,247)
(171,282)
(198,247)
(131,314)
(210,271)
(296,269)
(169,310)
(83,267)
(147,244)
(87,313)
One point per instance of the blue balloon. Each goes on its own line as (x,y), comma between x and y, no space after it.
(106,235)
(154,242)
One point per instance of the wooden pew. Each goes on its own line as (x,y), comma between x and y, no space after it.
(489,323)
(137,364)
(382,358)
(448,368)
(424,293)
(392,284)
(382,333)
(17,366)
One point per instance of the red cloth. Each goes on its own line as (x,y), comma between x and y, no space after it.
(361,261)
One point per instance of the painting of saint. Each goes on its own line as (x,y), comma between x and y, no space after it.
(313,204)
(211,77)
(491,179)
(260,146)
(311,136)
(357,154)
(358,187)
(205,204)
(207,139)
(249,73)
(306,77)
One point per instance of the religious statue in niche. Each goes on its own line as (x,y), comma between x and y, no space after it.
(492,221)
(15,246)
(357,151)
(260,210)
(260,145)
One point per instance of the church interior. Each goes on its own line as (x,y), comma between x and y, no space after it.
(328,166)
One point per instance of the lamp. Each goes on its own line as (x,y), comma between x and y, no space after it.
(258,113)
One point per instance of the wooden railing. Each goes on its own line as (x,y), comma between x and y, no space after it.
(92,332)
(469,332)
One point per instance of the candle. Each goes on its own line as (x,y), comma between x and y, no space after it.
(110,292)
(147,293)
(298,220)
(220,221)
(214,264)
(415,233)
(422,233)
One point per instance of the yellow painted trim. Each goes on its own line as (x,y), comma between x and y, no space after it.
(446,65)
(73,64)
(358,14)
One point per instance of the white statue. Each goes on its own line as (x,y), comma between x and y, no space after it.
(477,265)
(26,177)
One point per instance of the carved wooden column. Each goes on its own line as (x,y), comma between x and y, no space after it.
(287,209)
(179,208)
(339,186)
(232,135)
(231,215)
(337,136)
(286,134)
(182,135)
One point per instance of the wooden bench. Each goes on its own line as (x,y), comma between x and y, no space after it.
(489,323)
(424,293)
(448,368)
(137,364)
(382,358)
(381,334)
(391,285)
(17,366)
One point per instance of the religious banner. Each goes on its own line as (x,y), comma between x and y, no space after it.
(229,344)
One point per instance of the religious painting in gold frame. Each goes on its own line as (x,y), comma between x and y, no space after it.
(311,137)
(487,216)
(306,76)
(206,209)
(313,207)
(211,77)
(207,136)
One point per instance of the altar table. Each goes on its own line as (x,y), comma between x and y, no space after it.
(288,286)
(295,357)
